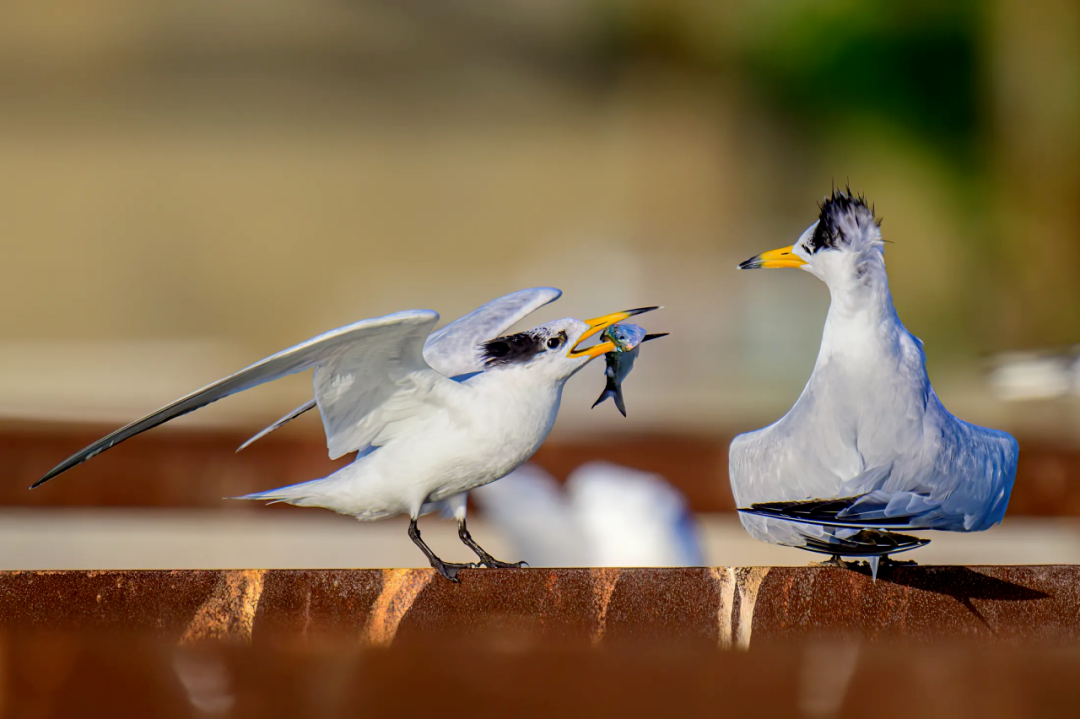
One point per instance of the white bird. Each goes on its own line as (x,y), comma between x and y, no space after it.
(1044,374)
(607,516)
(868,449)
(422,438)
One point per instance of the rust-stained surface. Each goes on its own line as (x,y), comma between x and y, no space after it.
(604,580)
(229,611)
(400,587)
(724,607)
(196,469)
(77,675)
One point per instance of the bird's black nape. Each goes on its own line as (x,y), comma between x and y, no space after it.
(842,208)
(511,349)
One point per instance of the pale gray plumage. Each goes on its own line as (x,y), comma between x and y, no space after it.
(404,329)
(452,350)
(422,438)
(868,429)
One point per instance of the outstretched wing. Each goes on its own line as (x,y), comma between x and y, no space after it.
(452,350)
(310,404)
(389,375)
(361,368)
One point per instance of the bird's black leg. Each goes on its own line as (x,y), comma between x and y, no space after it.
(485,559)
(447,569)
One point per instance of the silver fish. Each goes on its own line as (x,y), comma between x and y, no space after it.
(627,339)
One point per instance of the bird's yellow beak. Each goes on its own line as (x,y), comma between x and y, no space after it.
(599,324)
(783,257)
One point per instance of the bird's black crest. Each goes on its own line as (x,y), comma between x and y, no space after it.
(511,349)
(841,209)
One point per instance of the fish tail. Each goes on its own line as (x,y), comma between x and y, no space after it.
(619,398)
(610,390)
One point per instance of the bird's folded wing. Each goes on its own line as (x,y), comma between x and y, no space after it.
(396,338)
(877,509)
(453,350)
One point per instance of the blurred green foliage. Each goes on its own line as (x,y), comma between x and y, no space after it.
(914,65)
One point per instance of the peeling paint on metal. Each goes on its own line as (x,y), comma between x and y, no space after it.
(725,611)
(229,612)
(604,580)
(400,588)
(749,584)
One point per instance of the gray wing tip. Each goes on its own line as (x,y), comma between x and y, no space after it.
(43,480)
(55,472)
(414,315)
(541,296)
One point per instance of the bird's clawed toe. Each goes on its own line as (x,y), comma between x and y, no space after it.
(450,569)
(492,563)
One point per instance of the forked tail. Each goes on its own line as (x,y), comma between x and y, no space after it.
(613,390)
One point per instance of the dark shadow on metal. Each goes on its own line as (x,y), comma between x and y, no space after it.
(962,584)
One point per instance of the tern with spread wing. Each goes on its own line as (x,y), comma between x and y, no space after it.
(868,450)
(430,415)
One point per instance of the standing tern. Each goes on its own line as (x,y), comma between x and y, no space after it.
(868,449)
(423,439)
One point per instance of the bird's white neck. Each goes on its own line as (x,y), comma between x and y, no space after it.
(862,321)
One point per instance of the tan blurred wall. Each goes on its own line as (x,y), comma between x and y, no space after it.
(190,186)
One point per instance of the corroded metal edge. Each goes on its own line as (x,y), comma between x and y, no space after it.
(725,607)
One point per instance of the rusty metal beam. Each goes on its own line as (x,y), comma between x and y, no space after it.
(197,468)
(533,608)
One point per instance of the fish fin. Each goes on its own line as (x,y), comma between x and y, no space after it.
(603,395)
(619,399)
(656,336)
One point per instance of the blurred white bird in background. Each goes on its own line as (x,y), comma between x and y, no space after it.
(423,438)
(1047,374)
(868,449)
(607,515)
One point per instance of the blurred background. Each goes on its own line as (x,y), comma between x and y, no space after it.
(190,186)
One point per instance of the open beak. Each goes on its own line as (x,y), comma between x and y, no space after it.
(784,257)
(599,324)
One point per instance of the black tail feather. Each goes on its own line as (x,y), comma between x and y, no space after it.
(867,543)
(824,512)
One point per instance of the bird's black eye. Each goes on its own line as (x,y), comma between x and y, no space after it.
(554,342)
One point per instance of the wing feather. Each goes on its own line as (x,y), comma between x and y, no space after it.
(452,350)
(396,338)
